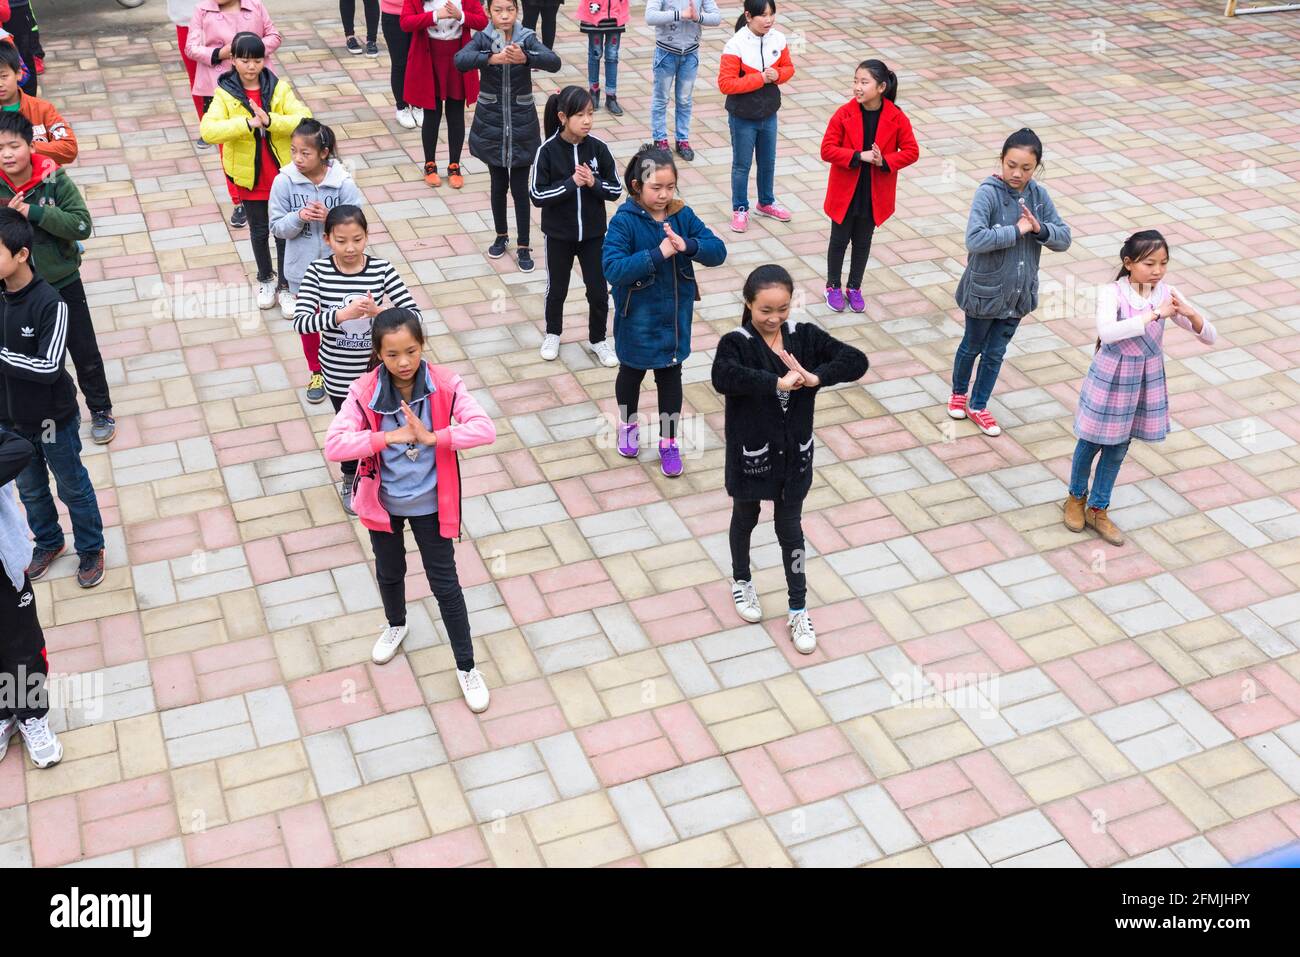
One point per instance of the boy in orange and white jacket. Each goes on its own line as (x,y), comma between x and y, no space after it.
(51,135)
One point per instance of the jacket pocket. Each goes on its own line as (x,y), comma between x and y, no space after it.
(484,97)
(805,455)
(528,99)
(756,463)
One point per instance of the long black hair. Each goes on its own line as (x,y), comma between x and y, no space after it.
(643,165)
(343,214)
(755,8)
(761,278)
(321,136)
(247,46)
(570,101)
(391,320)
(1139,246)
(881,74)
(1024,139)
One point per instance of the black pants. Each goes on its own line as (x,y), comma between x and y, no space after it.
(548,13)
(439,557)
(350,467)
(789,532)
(627,393)
(455,110)
(22,653)
(855,229)
(398,42)
(85,349)
(560,254)
(259,234)
(348,14)
(22,25)
(516,180)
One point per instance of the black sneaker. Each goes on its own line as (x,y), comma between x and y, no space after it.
(202,144)
(372,48)
(684,150)
(595,97)
(499,247)
(102,428)
(239,218)
(611,104)
(525,256)
(345,493)
(91,570)
(42,558)
(354,46)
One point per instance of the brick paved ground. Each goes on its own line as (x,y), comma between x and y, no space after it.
(1140,709)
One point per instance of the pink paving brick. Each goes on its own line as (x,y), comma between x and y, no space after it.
(618,733)
(54,831)
(835,776)
(307,838)
(992,780)
(1250,837)
(129,830)
(396,685)
(1148,830)
(762,780)
(124,797)
(690,739)
(453,849)
(949,815)
(525,726)
(1084,832)
(811,747)
(231,840)
(458,729)
(927,784)
(637,761)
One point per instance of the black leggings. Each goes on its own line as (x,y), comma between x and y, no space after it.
(349,467)
(789,532)
(855,229)
(516,180)
(259,234)
(531,10)
(439,557)
(455,110)
(22,652)
(83,345)
(398,42)
(627,393)
(348,14)
(560,254)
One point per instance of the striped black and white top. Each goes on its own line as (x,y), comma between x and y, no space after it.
(345,350)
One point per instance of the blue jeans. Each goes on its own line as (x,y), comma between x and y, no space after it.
(987,338)
(609,43)
(1112,457)
(669,68)
(62,455)
(750,137)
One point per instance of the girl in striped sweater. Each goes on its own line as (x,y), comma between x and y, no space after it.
(339,298)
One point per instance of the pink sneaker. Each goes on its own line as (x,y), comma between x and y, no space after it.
(957,406)
(856,302)
(987,424)
(670,459)
(629,439)
(835,298)
(775,210)
(739,221)
(662,145)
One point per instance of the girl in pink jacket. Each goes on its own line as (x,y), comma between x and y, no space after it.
(604,22)
(397,420)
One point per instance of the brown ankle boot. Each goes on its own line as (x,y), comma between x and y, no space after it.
(1097,519)
(1074,512)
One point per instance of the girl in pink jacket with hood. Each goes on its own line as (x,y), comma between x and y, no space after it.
(397,421)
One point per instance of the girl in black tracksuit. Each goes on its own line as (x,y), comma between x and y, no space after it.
(769,370)
(573,177)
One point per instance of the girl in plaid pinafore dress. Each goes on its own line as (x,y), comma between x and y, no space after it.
(1124,395)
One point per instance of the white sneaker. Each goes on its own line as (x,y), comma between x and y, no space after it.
(390,639)
(8,728)
(405,119)
(287,303)
(550,347)
(604,353)
(474,688)
(418,113)
(746,598)
(265,294)
(801,630)
(42,743)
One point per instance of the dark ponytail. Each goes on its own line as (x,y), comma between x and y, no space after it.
(391,320)
(570,101)
(761,278)
(321,136)
(1024,139)
(882,74)
(1139,246)
(755,8)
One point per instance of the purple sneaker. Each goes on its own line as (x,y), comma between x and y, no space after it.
(856,302)
(629,440)
(670,459)
(835,298)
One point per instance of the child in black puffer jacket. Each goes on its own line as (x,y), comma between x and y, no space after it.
(506,133)
(770,370)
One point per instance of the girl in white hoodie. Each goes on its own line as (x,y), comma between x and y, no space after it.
(301,197)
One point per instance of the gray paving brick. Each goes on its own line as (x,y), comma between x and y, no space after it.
(693,780)
(568,764)
(493,767)
(331,761)
(642,817)
(711,812)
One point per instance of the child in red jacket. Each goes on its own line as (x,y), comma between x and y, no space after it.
(867,141)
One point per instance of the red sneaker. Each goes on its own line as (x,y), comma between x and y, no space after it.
(987,424)
(957,406)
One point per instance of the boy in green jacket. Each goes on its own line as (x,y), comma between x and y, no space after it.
(43,192)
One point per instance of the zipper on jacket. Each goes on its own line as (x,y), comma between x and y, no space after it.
(506,108)
(579,191)
(677,333)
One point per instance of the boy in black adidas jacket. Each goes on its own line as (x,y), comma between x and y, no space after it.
(770,370)
(573,177)
(39,402)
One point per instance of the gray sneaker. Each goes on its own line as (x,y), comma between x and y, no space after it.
(8,728)
(345,493)
(42,743)
(102,428)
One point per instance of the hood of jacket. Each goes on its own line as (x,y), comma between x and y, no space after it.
(498,39)
(386,400)
(335,176)
(675,206)
(232,84)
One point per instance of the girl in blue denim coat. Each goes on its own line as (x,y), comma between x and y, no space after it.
(1011,219)
(651,248)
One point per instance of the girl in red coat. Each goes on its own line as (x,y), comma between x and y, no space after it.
(432,79)
(867,142)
